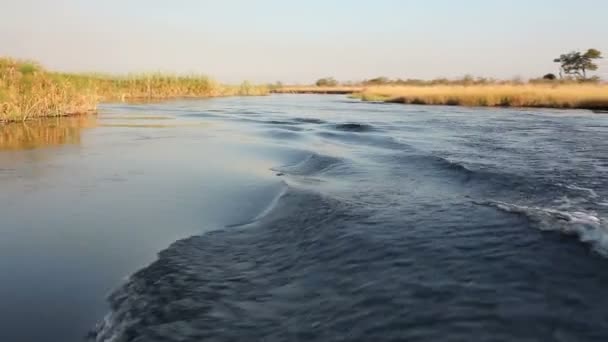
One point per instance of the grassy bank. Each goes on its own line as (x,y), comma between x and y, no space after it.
(158,86)
(582,96)
(28,91)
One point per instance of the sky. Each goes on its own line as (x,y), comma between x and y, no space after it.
(301,41)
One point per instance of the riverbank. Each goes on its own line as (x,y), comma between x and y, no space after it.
(573,96)
(29,91)
(340,90)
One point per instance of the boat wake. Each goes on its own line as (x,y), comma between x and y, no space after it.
(587,226)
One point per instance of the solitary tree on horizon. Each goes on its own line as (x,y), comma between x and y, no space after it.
(577,64)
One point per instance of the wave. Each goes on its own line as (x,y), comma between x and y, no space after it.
(587,226)
(278,122)
(286,134)
(371,140)
(486,176)
(591,193)
(464,172)
(313,164)
(309,120)
(273,203)
(354,127)
(237,283)
(291,123)
(202,115)
(294,121)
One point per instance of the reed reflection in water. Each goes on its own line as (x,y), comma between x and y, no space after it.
(44,133)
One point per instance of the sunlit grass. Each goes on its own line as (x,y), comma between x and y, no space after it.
(159,86)
(29,91)
(584,96)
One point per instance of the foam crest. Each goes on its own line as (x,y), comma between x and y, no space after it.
(588,226)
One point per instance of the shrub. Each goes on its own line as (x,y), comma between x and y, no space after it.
(550,77)
(326,82)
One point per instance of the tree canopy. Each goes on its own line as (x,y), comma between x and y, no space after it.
(577,64)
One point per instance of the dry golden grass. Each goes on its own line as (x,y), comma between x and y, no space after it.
(159,86)
(28,91)
(584,96)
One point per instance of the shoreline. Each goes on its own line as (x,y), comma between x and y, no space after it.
(317,90)
(49,117)
(577,96)
(400,101)
(356,95)
(592,97)
(362,94)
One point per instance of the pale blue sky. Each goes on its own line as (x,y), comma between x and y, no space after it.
(300,41)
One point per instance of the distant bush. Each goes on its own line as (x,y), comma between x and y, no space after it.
(248,89)
(467,80)
(550,77)
(326,82)
(377,81)
(276,85)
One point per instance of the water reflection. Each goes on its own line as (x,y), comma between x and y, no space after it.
(42,133)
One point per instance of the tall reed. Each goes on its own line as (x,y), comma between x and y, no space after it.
(29,91)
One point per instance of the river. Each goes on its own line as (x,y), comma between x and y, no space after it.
(305,217)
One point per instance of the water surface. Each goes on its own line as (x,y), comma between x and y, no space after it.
(307,218)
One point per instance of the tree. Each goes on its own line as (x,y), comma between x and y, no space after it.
(327,82)
(577,64)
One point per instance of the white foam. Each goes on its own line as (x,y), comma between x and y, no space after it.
(107,331)
(588,226)
(566,202)
(590,191)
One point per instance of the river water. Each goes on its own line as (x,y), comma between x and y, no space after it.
(304,217)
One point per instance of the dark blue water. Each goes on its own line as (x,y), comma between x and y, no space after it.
(349,221)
